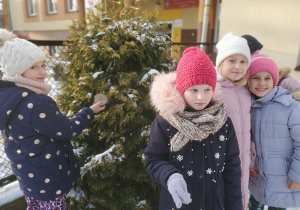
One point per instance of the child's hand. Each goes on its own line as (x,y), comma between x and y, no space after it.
(293,185)
(253,172)
(178,189)
(96,107)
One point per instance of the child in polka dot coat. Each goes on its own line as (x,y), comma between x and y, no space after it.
(36,134)
(193,151)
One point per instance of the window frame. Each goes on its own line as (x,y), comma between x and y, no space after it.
(168,23)
(54,5)
(31,8)
(69,6)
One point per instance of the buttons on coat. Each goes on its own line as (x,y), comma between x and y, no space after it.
(24,94)
(30,106)
(42,115)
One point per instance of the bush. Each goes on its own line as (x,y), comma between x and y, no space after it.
(115,53)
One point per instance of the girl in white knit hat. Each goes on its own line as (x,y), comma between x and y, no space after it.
(232,62)
(36,134)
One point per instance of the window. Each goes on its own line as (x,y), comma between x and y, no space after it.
(72,5)
(91,3)
(53,50)
(31,7)
(52,6)
(166,28)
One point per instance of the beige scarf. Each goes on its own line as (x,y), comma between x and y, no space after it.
(197,125)
(37,87)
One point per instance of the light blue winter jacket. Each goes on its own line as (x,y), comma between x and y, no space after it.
(275,127)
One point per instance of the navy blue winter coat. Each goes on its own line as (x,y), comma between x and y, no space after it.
(37,141)
(211,168)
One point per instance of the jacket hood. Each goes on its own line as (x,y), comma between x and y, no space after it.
(10,98)
(165,97)
(283,72)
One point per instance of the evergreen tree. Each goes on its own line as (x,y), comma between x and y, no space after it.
(114,53)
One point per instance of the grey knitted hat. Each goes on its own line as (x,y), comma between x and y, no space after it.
(17,55)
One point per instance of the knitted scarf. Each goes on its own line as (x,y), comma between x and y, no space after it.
(37,87)
(196,126)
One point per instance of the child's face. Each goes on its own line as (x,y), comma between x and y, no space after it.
(234,67)
(260,83)
(36,72)
(198,96)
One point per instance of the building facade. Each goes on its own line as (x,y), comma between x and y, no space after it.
(42,19)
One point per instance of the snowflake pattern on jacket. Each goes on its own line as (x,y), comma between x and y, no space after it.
(211,167)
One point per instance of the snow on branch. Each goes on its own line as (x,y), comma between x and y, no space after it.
(105,156)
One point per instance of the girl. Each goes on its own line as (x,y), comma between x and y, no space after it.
(193,151)
(36,134)
(276,133)
(232,62)
(285,80)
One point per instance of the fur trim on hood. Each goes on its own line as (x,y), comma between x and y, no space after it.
(165,97)
(296,95)
(283,72)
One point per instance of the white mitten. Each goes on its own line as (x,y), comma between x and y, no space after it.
(178,189)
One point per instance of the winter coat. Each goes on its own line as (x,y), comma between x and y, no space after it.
(287,82)
(211,168)
(276,133)
(37,141)
(238,105)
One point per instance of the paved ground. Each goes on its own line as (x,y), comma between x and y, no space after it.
(19,204)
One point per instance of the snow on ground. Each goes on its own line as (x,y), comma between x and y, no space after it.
(10,192)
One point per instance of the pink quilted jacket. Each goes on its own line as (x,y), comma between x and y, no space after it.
(238,105)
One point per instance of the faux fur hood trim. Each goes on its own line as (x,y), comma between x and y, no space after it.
(166,98)
(283,72)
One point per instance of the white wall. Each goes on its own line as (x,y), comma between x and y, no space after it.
(275,23)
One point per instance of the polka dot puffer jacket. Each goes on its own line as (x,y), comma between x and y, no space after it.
(37,141)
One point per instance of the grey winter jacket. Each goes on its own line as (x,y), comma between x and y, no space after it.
(275,125)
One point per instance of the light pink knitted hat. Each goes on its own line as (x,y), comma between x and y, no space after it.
(195,68)
(262,62)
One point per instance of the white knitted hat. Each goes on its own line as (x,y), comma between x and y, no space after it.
(231,45)
(17,55)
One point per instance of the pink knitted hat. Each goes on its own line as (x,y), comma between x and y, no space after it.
(195,68)
(262,62)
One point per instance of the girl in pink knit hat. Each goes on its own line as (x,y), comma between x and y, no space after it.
(193,151)
(275,128)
